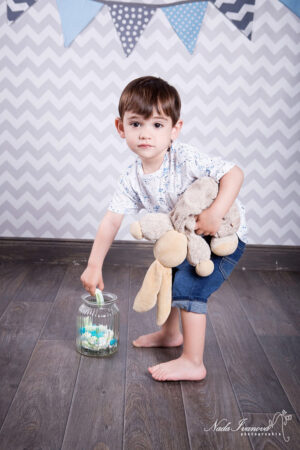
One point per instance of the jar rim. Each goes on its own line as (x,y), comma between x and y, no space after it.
(91,300)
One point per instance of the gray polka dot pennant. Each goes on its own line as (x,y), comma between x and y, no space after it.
(130,22)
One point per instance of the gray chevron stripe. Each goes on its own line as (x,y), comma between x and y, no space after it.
(60,156)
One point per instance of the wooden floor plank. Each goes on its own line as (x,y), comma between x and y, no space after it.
(283,353)
(39,412)
(23,320)
(280,431)
(20,326)
(210,401)
(11,276)
(154,414)
(61,323)
(275,317)
(97,412)
(266,309)
(286,288)
(253,379)
(41,283)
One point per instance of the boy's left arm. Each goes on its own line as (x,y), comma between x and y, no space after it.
(209,221)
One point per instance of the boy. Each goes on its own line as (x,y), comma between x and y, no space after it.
(149,110)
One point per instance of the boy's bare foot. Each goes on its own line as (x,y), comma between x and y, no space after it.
(158,339)
(178,369)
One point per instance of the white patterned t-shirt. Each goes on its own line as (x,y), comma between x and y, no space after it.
(159,191)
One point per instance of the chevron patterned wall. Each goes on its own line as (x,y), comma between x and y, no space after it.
(60,155)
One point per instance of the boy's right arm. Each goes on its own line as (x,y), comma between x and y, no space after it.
(108,228)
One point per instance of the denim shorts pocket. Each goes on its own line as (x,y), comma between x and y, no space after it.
(226,267)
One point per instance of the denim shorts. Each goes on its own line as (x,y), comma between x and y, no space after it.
(190,292)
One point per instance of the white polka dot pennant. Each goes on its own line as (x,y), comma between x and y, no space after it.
(130,22)
(186,21)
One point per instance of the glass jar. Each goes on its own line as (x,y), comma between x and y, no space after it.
(98,326)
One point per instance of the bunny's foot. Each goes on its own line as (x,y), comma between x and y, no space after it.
(205,268)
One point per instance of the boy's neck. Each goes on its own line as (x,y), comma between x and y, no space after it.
(152,165)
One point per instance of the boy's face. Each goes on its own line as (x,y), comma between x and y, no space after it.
(148,138)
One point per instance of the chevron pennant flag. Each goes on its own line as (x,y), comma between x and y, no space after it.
(16,7)
(293,5)
(186,21)
(130,22)
(239,12)
(75,15)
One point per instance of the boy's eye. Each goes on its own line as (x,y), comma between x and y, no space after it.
(158,125)
(135,124)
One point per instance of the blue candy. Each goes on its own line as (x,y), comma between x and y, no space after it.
(113,341)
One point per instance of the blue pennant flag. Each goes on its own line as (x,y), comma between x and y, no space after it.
(186,21)
(293,5)
(75,15)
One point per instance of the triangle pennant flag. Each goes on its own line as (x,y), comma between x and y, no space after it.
(293,5)
(130,21)
(14,8)
(239,12)
(75,15)
(186,21)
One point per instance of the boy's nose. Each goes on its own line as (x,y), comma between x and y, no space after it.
(145,133)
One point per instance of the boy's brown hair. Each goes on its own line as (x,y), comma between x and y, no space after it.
(145,93)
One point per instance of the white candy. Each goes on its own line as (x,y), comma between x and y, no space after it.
(99,297)
(94,342)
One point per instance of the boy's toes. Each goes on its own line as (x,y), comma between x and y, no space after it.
(154,369)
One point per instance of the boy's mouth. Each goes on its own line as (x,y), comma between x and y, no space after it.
(144,146)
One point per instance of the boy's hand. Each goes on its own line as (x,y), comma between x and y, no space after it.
(91,278)
(208,222)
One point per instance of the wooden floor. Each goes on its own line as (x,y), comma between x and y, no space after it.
(53,398)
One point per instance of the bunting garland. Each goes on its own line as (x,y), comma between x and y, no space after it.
(131,19)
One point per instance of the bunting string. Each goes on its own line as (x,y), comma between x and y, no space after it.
(131,18)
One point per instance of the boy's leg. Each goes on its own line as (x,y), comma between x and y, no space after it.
(189,366)
(168,336)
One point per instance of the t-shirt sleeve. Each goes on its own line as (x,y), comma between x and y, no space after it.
(125,200)
(203,165)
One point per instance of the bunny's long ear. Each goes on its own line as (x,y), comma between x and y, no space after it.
(164,298)
(147,295)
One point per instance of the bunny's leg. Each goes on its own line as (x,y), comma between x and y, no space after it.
(199,255)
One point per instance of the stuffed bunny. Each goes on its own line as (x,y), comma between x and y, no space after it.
(176,240)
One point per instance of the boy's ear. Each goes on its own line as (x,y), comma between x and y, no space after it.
(120,127)
(176,129)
